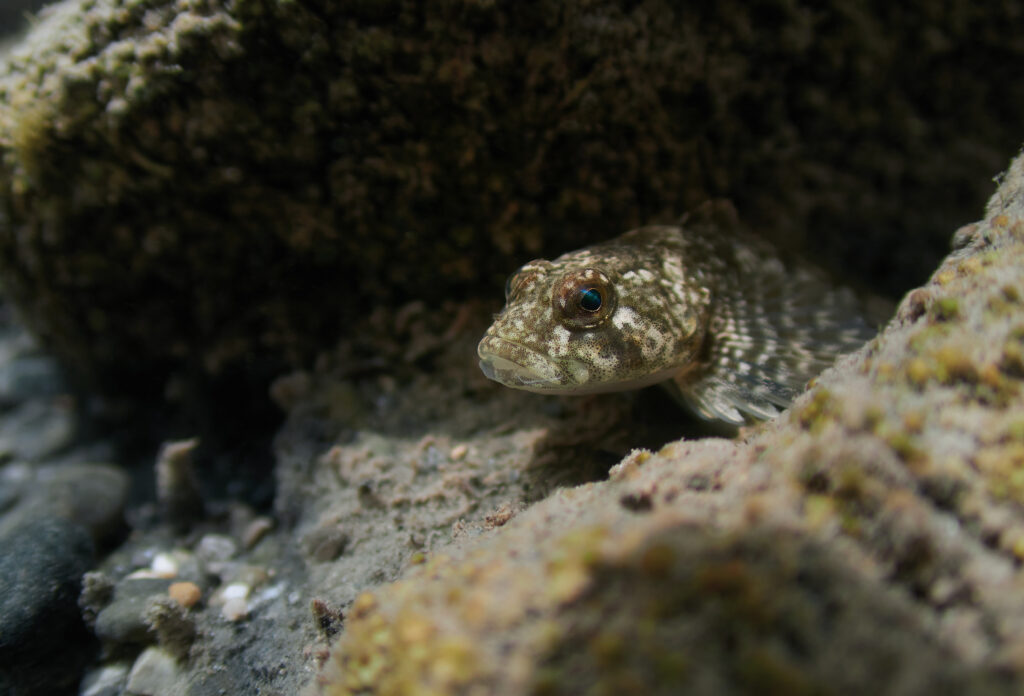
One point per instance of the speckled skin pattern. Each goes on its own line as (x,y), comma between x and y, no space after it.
(708,311)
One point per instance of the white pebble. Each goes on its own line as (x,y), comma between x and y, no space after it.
(164,565)
(235,609)
(236,590)
(155,672)
(216,547)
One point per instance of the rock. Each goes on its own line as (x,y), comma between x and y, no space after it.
(108,680)
(155,673)
(394,196)
(29,376)
(123,621)
(256,530)
(233,599)
(866,541)
(216,548)
(235,591)
(15,480)
(187,594)
(178,563)
(90,495)
(769,564)
(325,542)
(44,645)
(37,429)
(235,609)
(165,565)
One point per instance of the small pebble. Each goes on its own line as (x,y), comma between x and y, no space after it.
(164,565)
(235,590)
(105,681)
(458,452)
(216,547)
(235,609)
(155,672)
(325,543)
(185,593)
(256,530)
(123,620)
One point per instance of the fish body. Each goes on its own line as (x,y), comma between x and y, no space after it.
(704,309)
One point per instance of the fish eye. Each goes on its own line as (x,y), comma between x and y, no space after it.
(590,300)
(583,299)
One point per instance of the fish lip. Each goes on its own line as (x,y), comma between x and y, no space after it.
(493,352)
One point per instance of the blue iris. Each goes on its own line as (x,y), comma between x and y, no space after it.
(591,300)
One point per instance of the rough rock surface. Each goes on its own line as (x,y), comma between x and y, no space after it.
(867,541)
(43,642)
(873,532)
(219,188)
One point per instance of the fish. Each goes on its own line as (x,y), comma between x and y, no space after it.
(703,308)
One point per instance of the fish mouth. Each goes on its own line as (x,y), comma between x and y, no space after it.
(519,367)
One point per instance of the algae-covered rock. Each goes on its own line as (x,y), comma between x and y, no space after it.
(867,541)
(195,187)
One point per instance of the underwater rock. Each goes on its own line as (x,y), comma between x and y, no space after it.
(91,495)
(155,673)
(108,680)
(219,188)
(208,189)
(27,376)
(37,429)
(866,541)
(185,593)
(124,620)
(44,645)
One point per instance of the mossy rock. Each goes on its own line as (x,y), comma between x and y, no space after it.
(868,540)
(194,188)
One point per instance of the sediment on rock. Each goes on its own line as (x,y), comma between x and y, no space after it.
(868,540)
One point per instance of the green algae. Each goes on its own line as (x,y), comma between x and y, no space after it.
(818,411)
(945,309)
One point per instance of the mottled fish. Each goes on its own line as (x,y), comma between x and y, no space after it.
(711,313)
